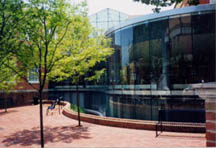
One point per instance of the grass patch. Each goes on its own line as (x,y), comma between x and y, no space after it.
(75,108)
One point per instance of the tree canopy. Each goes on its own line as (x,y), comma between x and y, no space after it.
(84,53)
(159,3)
(54,38)
(11,14)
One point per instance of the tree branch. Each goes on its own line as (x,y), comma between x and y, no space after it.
(22,77)
(56,46)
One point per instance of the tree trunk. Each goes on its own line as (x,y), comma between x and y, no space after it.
(78,105)
(5,100)
(41,119)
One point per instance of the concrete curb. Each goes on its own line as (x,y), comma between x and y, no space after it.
(125,123)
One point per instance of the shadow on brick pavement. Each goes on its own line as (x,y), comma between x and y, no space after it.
(57,134)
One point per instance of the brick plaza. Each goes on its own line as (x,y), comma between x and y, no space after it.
(20,128)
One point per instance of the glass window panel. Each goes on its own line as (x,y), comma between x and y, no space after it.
(181,71)
(140,54)
(123,16)
(112,24)
(102,17)
(108,17)
(126,43)
(113,15)
(185,24)
(117,39)
(204,47)
(92,18)
(174,27)
(94,24)
(159,53)
(203,23)
(33,75)
(181,60)
(102,26)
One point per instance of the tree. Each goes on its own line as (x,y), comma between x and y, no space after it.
(42,42)
(8,78)
(11,14)
(49,39)
(159,3)
(84,53)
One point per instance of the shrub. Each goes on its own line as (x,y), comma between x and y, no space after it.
(75,108)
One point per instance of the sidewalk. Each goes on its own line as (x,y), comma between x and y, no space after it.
(20,128)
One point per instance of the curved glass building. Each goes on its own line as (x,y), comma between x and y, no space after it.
(165,51)
(157,60)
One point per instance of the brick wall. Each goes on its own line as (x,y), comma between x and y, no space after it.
(184,3)
(23,85)
(207,91)
(14,99)
(210,105)
(204,1)
(22,94)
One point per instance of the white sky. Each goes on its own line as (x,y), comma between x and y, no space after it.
(127,6)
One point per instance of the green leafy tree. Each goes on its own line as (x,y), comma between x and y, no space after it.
(8,78)
(159,3)
(54,36)
(11,15)
(83,54)
(42,41)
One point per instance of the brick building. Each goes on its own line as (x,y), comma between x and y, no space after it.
(23,93)
(185,3)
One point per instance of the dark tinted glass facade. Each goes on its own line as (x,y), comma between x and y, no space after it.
(157,58)
(165,53)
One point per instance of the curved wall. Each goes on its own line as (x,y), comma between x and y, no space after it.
(165,51)
(157,58)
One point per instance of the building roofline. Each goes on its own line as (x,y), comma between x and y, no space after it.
(107,9)
(168,13)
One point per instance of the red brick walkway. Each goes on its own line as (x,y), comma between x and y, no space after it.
(20,128)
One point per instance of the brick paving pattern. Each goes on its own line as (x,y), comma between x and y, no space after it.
(20,128)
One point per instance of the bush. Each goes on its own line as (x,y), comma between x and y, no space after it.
(75,108)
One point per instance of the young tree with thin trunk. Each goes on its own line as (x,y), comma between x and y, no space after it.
(48,40)
(43,41)
(84,53)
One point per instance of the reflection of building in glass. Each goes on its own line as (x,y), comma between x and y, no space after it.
(169,50)
(107,18)
(157,58)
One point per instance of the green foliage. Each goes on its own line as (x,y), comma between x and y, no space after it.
(52,36)
(75,108)
(159,3)
(83,52)
(8,78)
(56,40)
(11,15)
(45,26)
